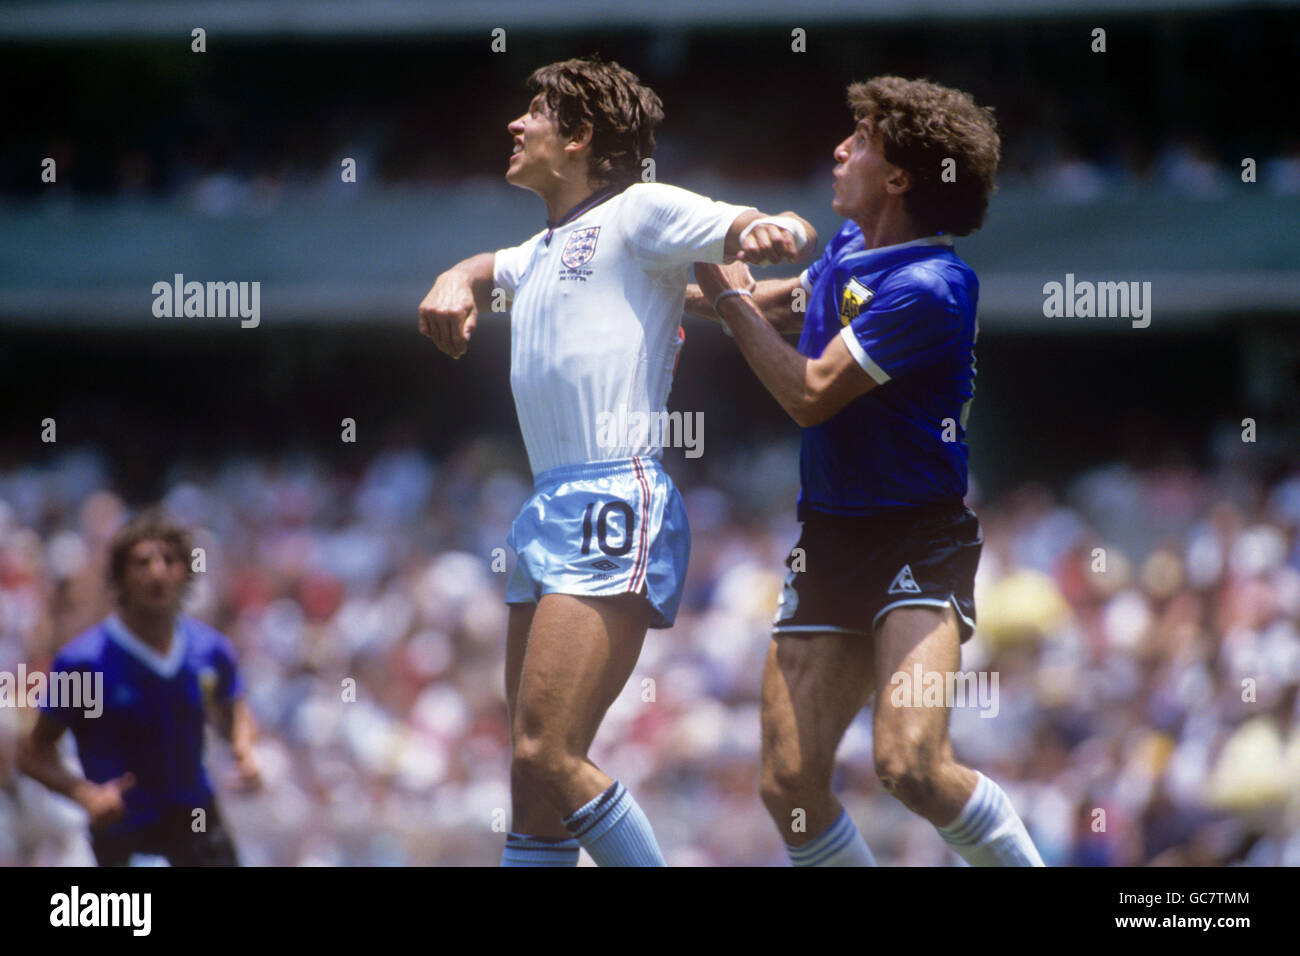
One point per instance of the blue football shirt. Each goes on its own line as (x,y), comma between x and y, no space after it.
(907,313)
(153,712)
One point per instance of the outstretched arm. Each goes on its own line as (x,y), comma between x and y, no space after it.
(787,237)
(810,390)
(449,313)
(775,298)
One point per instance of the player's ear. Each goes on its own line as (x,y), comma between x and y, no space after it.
(581,137)
(899,181)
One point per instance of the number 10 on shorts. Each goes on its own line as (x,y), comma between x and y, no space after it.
(602,527)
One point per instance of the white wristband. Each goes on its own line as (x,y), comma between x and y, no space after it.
(792,226)
(724,294)
(727,293)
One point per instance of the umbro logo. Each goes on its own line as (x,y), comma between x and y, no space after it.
(904,583)
(604,564)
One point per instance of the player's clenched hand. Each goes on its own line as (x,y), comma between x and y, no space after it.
(248,775)
(767,243)
(103,801)
(448,315)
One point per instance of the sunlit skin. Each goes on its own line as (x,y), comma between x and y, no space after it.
(556,167)
(548,163)
(151,590)
(869,189)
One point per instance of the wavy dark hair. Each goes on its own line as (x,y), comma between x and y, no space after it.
(151,525)
(921,124)
(621,111)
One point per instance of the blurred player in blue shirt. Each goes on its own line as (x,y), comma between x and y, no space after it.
(880,594)
(141,747)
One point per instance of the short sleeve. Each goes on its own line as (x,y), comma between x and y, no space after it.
(222,657)
(509,265)
(71,711)
(666,226)
(910,323)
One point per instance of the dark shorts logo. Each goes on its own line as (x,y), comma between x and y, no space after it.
(604,564)
(580,247)
(855,298)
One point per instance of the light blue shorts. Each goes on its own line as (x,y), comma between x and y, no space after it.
(600,529)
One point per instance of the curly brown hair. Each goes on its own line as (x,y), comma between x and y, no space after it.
(150,525)
(621,111)
(921,124)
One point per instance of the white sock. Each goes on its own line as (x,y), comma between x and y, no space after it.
(840,844)
(988,831)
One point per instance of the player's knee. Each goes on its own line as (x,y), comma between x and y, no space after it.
(538,763)
(784,785)
(907,768)
(530,762)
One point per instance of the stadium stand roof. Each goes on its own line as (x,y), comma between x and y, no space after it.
(55,20)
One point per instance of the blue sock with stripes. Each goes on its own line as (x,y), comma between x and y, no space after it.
(522,850)
(840,844)
(615,831)
(989,832)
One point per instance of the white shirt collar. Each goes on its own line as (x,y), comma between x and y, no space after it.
(166,667)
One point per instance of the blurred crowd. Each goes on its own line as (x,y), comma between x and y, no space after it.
(1048,165)
(253,125)
(1143,625)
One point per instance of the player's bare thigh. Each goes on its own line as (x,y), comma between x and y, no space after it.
(813,687)
(521,619)
(913,752)
(531,813)
(578,656)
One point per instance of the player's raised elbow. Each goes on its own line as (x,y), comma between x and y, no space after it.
(813,407)
(808,414)
(830,383)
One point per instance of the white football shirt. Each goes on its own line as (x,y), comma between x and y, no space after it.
(595,319)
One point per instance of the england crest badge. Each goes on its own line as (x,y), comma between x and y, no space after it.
(580,247)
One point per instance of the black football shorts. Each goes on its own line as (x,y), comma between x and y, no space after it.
(847,571)
(172,836)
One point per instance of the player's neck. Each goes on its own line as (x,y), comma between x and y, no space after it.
(889,229)
(567,196)
(156,630)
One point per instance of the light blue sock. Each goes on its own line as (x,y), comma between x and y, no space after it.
(840,844)
(522,850)
(989,832)
(614,830)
